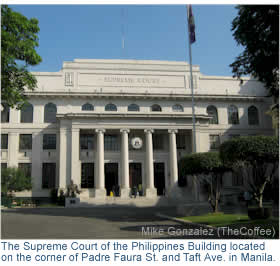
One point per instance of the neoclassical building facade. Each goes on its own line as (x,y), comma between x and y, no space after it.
(112,126)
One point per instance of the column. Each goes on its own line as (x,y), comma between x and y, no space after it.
(99,177)
(125,190)
(62,158)
(173,157)
(13,147)
(75,156)
(150,189)
(36,173)
(197,140)
(174,191)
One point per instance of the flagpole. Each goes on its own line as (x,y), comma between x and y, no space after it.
(191,79)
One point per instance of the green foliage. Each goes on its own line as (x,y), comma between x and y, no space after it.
(18,42)
(250,149)
(199,163)
(256,27)
(14,179)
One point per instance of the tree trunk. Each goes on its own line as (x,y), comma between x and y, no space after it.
(261,201)
(217,196)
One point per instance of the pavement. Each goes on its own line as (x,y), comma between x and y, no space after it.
(100,223)
(82,223)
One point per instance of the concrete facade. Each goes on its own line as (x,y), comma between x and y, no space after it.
(122,83)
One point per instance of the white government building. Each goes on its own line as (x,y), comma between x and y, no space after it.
(111,125)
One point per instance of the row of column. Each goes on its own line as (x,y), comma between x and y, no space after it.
(99,176)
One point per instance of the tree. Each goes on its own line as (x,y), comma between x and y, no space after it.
(255,158)
(209,166)
(256,27)
(13,180)
(18,41)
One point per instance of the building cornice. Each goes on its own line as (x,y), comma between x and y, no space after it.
(131,115)
(144,96)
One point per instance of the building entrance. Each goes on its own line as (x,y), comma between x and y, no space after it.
(159,178)
(87,180)
(111,179)
(135,178)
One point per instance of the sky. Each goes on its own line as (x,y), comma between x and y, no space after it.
(150,32)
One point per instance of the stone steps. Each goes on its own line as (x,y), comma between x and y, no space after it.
(117,201)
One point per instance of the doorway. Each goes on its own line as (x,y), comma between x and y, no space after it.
(87,176)
(135,177)
(112,179)
(159,178)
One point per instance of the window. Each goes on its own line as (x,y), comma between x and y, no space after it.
(48,175)
(26,168)
(181,142)
(87,107)
(4,166)
(50,113)
(49,142)
(214,142)
(158,142)
(212,111)
(86,141)
(87,180)
(133,108)
(25,142)
(253,115)
(111,143)
(177,108)
(111,107)
(233,118)
(68,79)
(155,108)
(26,113)
(4,141)
(237,179)
(5,113)
(232,136)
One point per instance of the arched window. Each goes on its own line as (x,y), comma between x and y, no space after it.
(233,117)
(177,108)
(253,115)
(5,113)
(111,107)
(50,113)
(133,108)
(212,111)
(87,107)
(155,108)
(26,113)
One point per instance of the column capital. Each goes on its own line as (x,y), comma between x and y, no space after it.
(13,133)
(124,130)
(171,131)
(63,130)
(100,130)
(36,134)
(75,129)
(148,130)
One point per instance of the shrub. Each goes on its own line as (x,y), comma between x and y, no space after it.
(14,179)
(209,164)
(257,158)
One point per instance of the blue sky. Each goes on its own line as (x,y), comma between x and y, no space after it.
(156,32)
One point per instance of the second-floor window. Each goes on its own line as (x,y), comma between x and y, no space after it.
(4,141)
(86,141)
(214,142)
(26,113)
(25,141)
(49,142)
(233,118)
(253,115)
